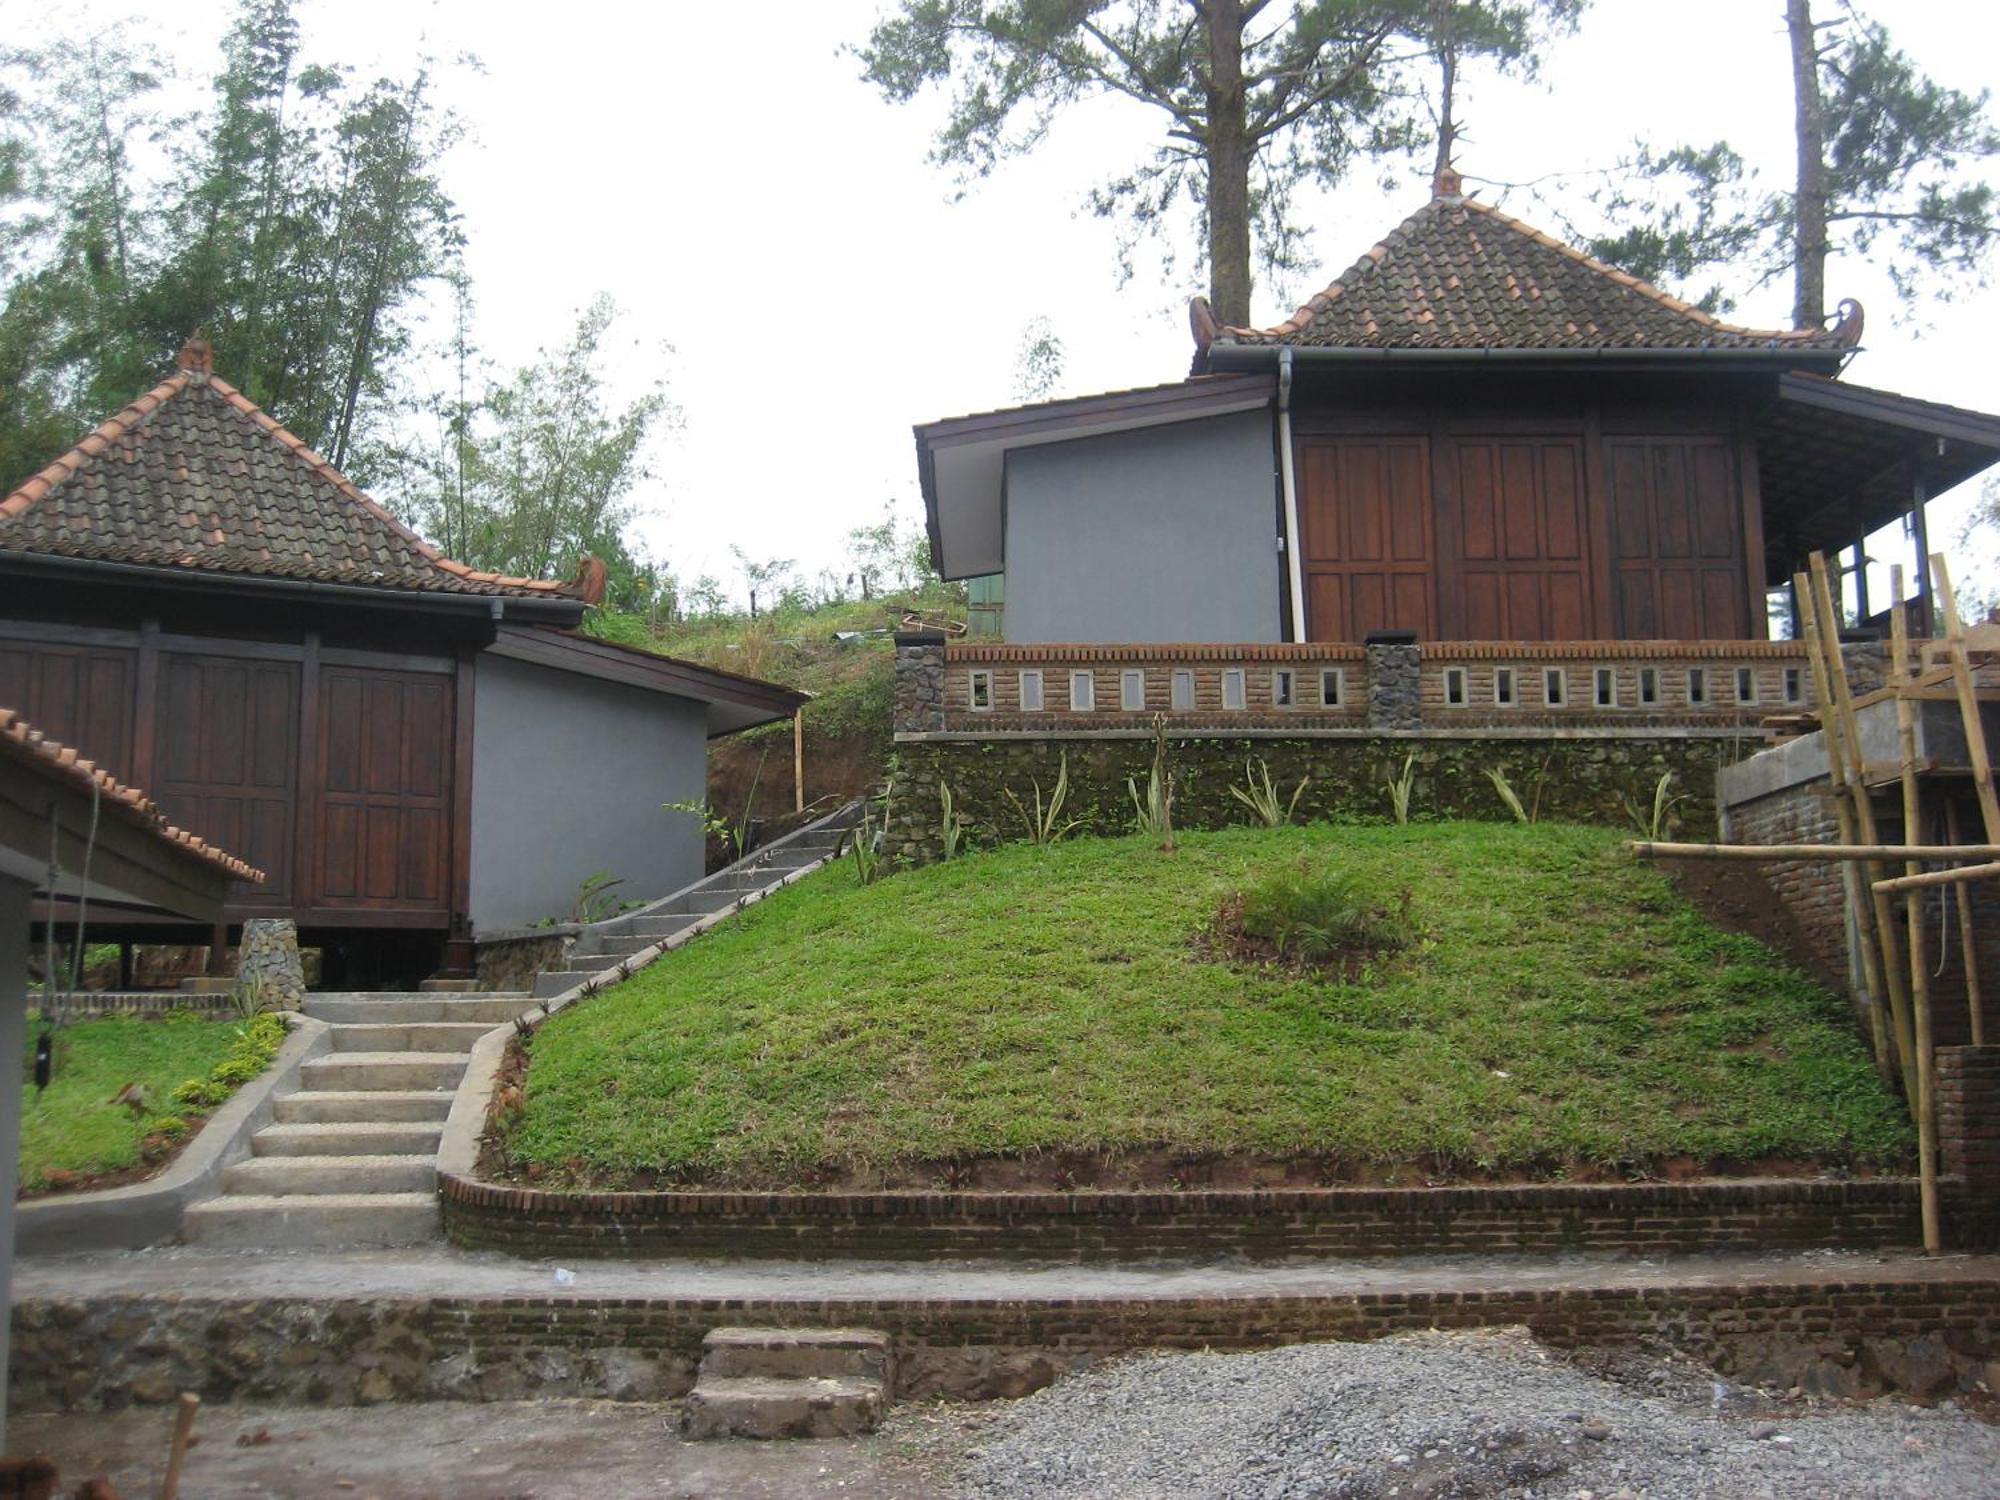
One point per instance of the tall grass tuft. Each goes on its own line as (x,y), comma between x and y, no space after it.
(1657,820)
(1311,914)
(1044,825)
(1155,810)
(1399,787)
(951,828)
(1260,795)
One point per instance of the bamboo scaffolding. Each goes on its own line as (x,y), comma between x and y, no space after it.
(1968,938)
(1881,966)
(1961,876)
(1968,700)
(1817,853)
(1913,912)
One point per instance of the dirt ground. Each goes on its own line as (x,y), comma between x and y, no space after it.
(528,1450)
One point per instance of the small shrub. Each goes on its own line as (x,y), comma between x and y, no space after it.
(951,829)
(1399,787)
(1260,795)
(1658,820)
(1045,825)
(1312,915)
(1155,809)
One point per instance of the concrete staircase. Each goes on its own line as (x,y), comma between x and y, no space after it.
(790,1383)
(350,1157)
(604,945)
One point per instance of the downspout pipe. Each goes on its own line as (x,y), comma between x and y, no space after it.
(1287,481)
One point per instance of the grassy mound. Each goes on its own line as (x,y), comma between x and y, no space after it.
(79,1134)
(1563,1009)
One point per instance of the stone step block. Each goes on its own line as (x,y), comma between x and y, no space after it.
(400,1071)
(333,1221)
(374,1106)
(764,1408)
(413,1036)
(291,1176)
(796,1353)
(395,1010)
(365,1137)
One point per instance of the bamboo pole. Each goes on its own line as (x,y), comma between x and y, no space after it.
(1818,853)
(1967,938)
(1891,1055)
(798,760)
(1961,876)
(1968,701)
(1913,912)
(170,1485)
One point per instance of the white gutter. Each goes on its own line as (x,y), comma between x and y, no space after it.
(1293,562)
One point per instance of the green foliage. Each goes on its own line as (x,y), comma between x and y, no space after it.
(1508,796)
(1658,819)
(865,840)
(296,222)
(1313,912)
(1260,795)
(594,901)
(1399,787)
(1568,1007)
(1323,87)
(1044,824)
(78,1125)
(1155,810)
(951,828)
(252,1045)
(1900,187)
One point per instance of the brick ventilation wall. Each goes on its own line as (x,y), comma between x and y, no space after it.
(1635,1219)
(110,1352)
(994,702)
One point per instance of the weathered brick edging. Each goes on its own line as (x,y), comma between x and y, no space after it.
(1630,1218)
(108,1352)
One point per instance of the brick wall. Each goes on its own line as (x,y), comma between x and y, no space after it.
(1636,1219)
(105,1353)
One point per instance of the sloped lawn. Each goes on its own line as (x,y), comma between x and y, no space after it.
(1566,1011)
(76,1135)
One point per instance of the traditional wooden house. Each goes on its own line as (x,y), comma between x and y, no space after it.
(1557,499)
(416,754)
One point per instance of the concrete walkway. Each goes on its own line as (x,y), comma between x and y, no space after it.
(438,1271)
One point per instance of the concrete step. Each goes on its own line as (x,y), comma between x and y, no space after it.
(449,986)
(415,1036)
(370,1106)
(606,952)
(291,1176)
(653,928)
(363,1137)
(400,1071)
(720,1407)
(332,1221)
(795,1353)
(396,1010)
(551,982)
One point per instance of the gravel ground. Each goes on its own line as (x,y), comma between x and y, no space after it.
(1459,1415)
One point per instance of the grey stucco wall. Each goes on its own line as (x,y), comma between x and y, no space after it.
(1169,534)
(568,775)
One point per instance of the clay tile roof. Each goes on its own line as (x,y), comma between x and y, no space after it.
(20,741)
(1458,274)
(194,475)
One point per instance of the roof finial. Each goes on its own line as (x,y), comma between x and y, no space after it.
(197,356)
(1447,183)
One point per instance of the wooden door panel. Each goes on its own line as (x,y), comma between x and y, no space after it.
(1677,535)
(1366,544)
(1516,540)
(386,747)
(80,696)
(228,760)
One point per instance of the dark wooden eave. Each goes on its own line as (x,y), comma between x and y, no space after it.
(734,702)
(1838,461)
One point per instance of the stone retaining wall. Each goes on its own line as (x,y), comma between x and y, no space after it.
(105,1353)
(512,961)
(1581,779)
(1645,1219)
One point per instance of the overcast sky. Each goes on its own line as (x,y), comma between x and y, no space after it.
(722,171)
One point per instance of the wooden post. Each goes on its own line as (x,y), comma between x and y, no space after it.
(1963,875)
(1888,1052)
(170,1487)
(799,759)
(1968,700)
(1920,533)
(1913,910)
(1967,937)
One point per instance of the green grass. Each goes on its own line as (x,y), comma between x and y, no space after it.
(73,1128)
(1565,1008)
